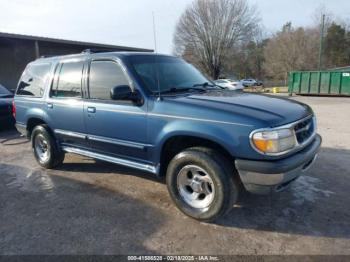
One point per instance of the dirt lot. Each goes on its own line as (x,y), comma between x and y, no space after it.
(97,208)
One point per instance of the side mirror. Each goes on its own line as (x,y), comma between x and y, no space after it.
(124,93)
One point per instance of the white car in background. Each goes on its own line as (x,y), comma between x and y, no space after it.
(229,84)
(251,82)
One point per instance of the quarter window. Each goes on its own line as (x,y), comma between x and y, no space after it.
(104,75)
(68,82)
(33,80)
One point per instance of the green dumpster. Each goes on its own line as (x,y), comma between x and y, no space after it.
(319,82)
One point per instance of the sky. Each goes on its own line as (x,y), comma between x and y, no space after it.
(129,22)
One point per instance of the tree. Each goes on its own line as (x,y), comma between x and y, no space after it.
(209,29)
(287,27)
(291,49)
(246,60)
(337,45)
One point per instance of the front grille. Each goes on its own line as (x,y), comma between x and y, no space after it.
(304,130)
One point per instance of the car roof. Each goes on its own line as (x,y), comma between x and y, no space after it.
(97,55)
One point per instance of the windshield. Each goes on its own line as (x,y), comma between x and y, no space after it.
(171,73)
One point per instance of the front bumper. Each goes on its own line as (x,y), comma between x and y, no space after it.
(263,177)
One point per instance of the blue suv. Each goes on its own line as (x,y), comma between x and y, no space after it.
(159,114)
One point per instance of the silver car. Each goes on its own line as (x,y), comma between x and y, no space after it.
(229,84)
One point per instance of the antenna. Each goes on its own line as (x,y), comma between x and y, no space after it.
(155,57)
(154,33)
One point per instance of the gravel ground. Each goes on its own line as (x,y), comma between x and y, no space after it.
(90,207)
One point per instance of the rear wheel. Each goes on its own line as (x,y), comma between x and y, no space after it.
(45,149)
(201,183)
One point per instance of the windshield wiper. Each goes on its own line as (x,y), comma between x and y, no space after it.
(207,84)
(182,89)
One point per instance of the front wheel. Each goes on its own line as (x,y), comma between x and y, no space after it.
(201,182)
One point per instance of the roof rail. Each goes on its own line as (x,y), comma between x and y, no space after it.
(47,56)
(94,50)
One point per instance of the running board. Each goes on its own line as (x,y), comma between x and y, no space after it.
(115,160)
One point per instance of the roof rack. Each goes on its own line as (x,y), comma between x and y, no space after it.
(85,51)
(94,50)
(47,56)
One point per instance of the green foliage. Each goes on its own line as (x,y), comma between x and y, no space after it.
(223,39)
(290,49)
(246,61)
(337,46)
(297,49)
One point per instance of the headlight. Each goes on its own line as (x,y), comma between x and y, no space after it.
(273,142)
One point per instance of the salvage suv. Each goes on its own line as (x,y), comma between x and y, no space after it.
(157,113)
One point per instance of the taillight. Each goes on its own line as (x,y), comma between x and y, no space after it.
(13,108)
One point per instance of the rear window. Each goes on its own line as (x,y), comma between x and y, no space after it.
(33,80)
(67,82)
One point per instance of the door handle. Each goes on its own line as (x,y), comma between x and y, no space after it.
(91,109)
(49,105)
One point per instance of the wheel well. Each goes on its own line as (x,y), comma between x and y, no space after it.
(33,122)
(175,145)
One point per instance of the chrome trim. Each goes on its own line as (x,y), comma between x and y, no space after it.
(102,139)
(174,116)
(117,142)
(115,160)
(71,59)
(120,111)
(70,133)
(19,98)
(67,101)
(287,126)
(197,119)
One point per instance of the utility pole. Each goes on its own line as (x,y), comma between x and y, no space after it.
(321,43)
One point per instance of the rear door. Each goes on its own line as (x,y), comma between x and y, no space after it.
(65,104)
(116,128)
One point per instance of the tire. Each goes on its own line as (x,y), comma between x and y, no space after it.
(213,189)
(45,149)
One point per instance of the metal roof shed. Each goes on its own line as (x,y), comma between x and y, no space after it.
(16,51)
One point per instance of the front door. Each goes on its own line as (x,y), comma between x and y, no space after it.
(116,128)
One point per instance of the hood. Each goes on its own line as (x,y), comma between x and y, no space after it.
(272,110)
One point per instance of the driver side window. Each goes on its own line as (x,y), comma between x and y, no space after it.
(104,75)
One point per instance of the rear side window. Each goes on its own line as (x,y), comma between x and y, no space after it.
(33,80)
(104,75)
(67,81)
